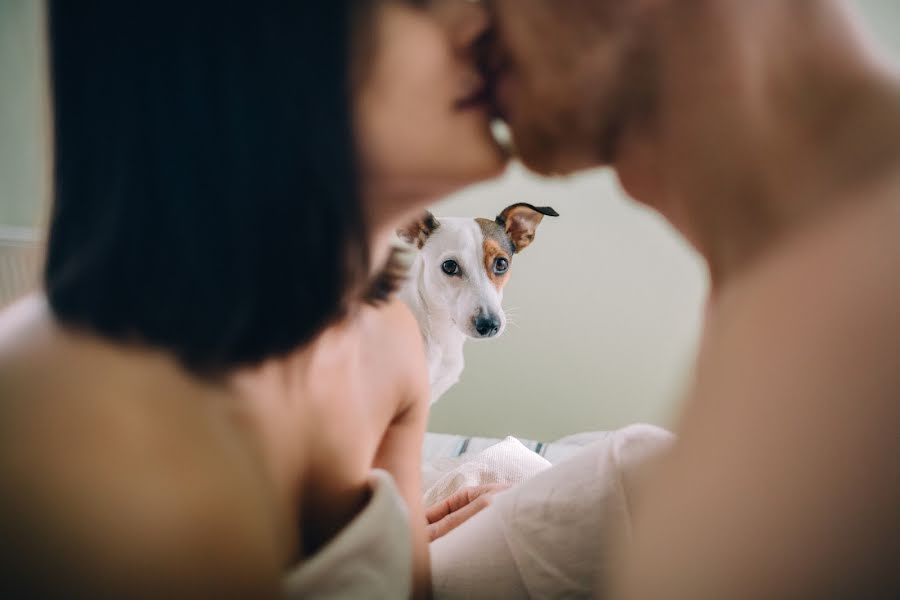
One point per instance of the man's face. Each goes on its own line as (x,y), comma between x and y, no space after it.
(572,72)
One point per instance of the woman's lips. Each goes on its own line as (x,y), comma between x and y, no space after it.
(493,95)
(479,98)
(492,89)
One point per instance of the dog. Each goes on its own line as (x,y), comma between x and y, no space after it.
(455,283)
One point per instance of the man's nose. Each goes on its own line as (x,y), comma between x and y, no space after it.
(487,325)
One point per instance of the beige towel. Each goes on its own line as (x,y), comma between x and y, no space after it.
(505,462)
(370,558)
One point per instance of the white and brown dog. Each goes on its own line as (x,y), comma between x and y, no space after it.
(455,285)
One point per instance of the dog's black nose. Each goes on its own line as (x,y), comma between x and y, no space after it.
(487,325)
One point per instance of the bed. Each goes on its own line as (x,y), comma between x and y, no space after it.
(443,445)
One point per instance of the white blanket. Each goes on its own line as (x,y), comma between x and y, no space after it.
(507,462)
(548,536)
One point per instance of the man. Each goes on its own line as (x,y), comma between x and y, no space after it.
(768,133)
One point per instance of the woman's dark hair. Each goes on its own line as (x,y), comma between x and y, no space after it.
(206,194)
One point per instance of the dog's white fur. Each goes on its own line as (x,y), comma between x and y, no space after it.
(446,307)
(452,308)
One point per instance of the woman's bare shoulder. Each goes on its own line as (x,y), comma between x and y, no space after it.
(24,325)
(395,315)
(394,343)
(392,327)
(115,467)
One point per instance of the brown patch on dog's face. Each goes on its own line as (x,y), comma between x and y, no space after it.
(497,247)
(494,255)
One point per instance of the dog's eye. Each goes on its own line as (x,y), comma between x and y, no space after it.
(450,267)
(501,266)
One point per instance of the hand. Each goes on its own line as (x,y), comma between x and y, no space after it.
(449,514)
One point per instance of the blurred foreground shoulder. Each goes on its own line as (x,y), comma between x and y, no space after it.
(117,479)
(783,483)
(95,531)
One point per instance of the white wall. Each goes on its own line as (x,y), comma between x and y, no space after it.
(883,18)
(23,136)
(608,306)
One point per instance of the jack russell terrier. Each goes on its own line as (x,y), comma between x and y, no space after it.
(455,284)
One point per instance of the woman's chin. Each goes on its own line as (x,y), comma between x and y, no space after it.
(492,167)
(466,168)
(419,188)
(492,164)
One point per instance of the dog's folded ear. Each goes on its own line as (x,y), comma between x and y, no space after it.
(418,231)
(521,221)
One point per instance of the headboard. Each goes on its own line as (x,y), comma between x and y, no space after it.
(20,251)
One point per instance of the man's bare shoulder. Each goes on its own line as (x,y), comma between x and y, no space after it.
(846,264)
(828,296)
(791,423)
(810,332)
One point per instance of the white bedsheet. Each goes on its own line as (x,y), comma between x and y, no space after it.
(507,462)
(445,445)
(548,536)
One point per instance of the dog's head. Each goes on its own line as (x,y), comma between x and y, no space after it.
(466,263)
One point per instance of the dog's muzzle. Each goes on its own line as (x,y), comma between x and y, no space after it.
(486,325)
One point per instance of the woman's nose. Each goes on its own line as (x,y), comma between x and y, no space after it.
(466,21)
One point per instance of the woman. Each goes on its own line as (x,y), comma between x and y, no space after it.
(197,401)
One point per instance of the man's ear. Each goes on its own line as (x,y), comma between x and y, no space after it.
(521,221)
(418,232)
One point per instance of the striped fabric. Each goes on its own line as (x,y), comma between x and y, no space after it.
(445,445)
